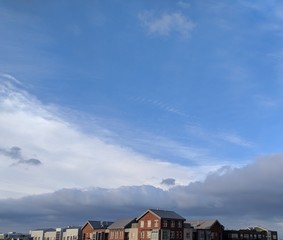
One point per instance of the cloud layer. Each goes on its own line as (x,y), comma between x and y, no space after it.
(68,156)
(238,197)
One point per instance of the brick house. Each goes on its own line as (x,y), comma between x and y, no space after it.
(95,230)
(121,229)
(155,224)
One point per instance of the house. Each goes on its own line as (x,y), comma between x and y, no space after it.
(155,224)
(72,233)
(207,229)
(49,235)
(39,234)
(69,233)
(121,229)
(250,233)
(95,230)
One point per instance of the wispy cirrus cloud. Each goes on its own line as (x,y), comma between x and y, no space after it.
(166,23)
(220,136)
(161,105)
(235,139)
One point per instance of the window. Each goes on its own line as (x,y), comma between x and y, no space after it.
(165,223)
(172,224)
(121,234)
(180,235)
(274,237)
(116,234)
(142,224)
(172,234)
(111,234)
(179,224)
(165,234)
(188,235)
(148,234)
(148,223)
(154,235)
(142,234)
(234,235)
(155,223)
(201,234)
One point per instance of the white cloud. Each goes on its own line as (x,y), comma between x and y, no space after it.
(239,197)
(167,23)
(69,157)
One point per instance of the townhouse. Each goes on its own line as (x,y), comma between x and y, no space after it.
(123,229)
(69,233)
(153,224)
(95,230)
(206,229)
(251,233)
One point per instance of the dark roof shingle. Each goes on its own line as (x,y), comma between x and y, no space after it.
(122,223)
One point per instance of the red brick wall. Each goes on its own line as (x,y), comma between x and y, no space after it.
(86,231)
(116,234)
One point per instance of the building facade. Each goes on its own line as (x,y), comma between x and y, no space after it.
(120,230)
(95,230)
(160,225)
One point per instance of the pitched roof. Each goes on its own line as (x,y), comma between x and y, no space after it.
(98,224)
(163,214)
(202,224)
(122,223)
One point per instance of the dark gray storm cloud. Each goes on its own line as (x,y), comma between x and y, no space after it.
(15,153)
(238,197)
(168,181)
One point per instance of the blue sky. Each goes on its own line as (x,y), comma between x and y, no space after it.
(160,94)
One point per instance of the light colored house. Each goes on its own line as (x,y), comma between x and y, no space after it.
(132,232)
(72,233)
(39,234)
(50,235)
